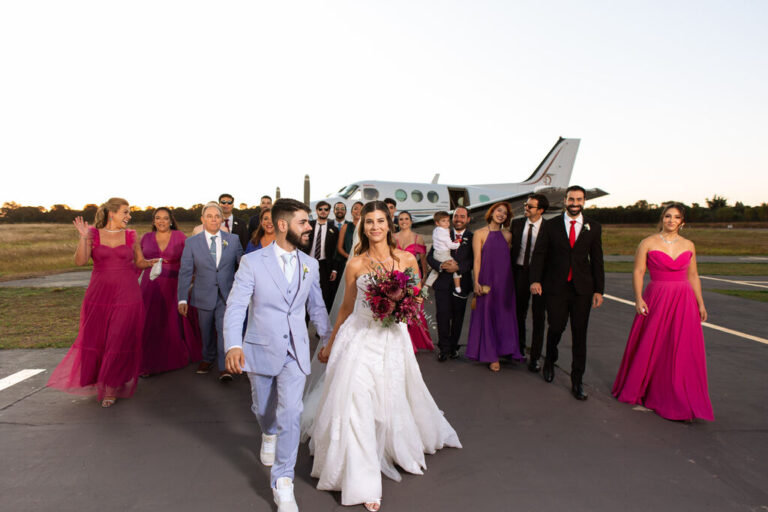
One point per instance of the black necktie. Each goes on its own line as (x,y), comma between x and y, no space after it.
(527,255)
(317,241)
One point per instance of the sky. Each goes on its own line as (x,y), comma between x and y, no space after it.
(173,102)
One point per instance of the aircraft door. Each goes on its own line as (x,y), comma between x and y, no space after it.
(458,197)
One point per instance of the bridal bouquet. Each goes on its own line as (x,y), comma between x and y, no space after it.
(392,296)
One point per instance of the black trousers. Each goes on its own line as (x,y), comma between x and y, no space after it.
(450,318)
(561,308)
(326,285)
(538,310)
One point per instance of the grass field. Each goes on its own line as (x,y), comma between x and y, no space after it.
(39,317)
(709,241)
(709,269)
(758,295)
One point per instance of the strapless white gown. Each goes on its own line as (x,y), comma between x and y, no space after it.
(373,411)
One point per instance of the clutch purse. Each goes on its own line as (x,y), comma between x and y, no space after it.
(157,268)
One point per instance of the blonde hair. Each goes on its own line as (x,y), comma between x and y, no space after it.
(113,205)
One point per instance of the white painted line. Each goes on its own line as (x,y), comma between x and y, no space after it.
(705,324)
(18,377)
(747,283)
(758,258)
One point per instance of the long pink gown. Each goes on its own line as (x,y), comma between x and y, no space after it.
(106,355)
(420,337)
(664,366)
(170,341)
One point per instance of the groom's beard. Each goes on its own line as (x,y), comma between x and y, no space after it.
(574,210)
(294,239)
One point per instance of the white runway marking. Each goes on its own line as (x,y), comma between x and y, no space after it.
(748,283)
(18,377)
(705,324)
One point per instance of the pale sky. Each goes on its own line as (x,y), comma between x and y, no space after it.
(173,102)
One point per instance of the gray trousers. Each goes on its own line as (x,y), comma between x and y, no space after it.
(277,404)
(212,332)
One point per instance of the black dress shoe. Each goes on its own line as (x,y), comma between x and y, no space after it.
(549,372)
(534,366)
(578,392)
(442,357)
(454,354)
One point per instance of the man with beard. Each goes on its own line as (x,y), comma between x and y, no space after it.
(323,249)
(340,215)
(281,285)
(567,265)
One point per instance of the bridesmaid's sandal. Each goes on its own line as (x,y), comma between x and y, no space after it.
(373,506)
(108,401)
(494,367)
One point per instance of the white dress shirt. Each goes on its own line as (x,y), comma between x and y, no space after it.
(320,230)
(577,227)
(231,220)
(288,268)
(208,237)
(534,234)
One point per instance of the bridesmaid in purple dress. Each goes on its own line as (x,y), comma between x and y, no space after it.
(171,341)
(664,366)
(105,358)
(493,325)
(409,241)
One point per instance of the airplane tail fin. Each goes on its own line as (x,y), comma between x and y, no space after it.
(556,168)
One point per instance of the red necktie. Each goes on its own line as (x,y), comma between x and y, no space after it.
(572,241)
(226,225)
(458,238)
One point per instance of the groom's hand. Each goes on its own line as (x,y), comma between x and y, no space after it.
(235,360)
(597,300)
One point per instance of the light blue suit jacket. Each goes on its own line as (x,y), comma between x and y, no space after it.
(210,280)
(276,315)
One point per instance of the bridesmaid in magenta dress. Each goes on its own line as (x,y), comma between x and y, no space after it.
(170,341)
(664,366)
(106,356)
(409,241)
(493,325)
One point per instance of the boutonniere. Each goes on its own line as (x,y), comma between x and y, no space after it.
(586,226)
(305,270)
(224,243)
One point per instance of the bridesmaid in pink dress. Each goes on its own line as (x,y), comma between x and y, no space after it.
(664,366)
(409,241)
(170,341)
(106,356)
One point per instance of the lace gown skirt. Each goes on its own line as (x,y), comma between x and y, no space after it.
(374,412)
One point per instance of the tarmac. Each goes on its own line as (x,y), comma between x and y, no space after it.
(187,442)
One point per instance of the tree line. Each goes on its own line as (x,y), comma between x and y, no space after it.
(716,209)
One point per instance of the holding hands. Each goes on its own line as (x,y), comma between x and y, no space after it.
(235,360)
(324,354)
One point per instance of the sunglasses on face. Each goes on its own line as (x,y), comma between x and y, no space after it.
(323,209)
(224,201)
(530,207)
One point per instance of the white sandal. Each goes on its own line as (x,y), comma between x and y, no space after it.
(369,505)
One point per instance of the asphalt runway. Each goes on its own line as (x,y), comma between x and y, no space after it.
(187,442)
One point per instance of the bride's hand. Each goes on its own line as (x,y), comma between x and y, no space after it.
(82,227)
(324,354)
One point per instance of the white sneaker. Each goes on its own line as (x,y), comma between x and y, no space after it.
(283,494)
(267,452)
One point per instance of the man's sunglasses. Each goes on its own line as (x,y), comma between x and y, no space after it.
(224,201)
(323,209)
(530,207)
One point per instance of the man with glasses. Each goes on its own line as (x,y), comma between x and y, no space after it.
(525,231)
(325,235)
(229,222)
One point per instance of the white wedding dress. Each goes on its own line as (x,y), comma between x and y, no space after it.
(374,410)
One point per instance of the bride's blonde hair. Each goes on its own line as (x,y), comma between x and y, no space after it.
(113,205)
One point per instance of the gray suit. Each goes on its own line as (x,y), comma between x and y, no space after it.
(276,343)
(210,289)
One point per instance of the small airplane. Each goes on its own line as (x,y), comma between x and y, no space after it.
(423,200)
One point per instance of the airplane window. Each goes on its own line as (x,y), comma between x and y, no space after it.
(347,191)
(356,196)
(370,194)
(432,196)
(417,196)
(484,198)
(401,195)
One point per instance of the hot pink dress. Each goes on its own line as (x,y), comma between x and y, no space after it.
(420,337)
(106,355)
(171,341)
(664,366)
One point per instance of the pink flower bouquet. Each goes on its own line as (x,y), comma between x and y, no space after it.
(392,296)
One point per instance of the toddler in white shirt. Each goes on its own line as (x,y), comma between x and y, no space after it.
(442,246)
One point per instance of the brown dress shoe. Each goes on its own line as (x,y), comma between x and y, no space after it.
(225,376)
(204,367)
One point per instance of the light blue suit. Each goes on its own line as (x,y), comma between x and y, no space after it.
(276,343)
(210,289)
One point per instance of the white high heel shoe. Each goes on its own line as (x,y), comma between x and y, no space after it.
(369,506)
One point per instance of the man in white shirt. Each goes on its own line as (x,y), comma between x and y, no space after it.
(525,231)
(325,235)
(229,222)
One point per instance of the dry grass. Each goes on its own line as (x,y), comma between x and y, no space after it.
(758,295)
(35,249)
(705,268)
(50,317)
(709,241)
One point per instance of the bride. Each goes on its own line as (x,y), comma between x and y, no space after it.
(375,411)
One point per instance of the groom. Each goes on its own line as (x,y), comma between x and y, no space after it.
(280,284)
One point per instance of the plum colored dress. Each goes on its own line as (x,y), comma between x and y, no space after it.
(106,355)
(664,366)
(419,333)
(493,324)
(170,341)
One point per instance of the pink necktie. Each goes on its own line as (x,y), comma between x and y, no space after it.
(572,241)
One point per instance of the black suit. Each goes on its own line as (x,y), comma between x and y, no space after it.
(553,258)
(239,229)
(523,291)
(253,222)
(450,309)
(328,264)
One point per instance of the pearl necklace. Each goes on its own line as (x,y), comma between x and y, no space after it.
(114,230)
(668,241)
